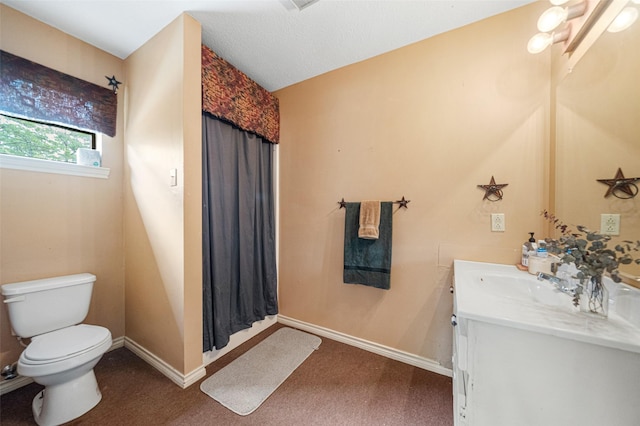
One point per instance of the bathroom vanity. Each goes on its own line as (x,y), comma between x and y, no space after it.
(524,355)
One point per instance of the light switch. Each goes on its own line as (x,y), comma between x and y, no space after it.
(173,177)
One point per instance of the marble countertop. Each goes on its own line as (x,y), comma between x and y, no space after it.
(503,295)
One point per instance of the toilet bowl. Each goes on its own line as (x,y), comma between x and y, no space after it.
(63,362)
(62,353)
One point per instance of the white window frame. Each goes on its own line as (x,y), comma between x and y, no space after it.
(57,167)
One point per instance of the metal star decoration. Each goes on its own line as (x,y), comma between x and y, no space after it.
(113,82)
(493,191)
(403,203)
(620,186)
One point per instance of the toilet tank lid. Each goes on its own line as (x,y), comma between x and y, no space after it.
(25,287)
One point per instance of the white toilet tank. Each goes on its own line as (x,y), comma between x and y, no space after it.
(40,306)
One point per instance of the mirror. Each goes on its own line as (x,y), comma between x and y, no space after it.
(597,131)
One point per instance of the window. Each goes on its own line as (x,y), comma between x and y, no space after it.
(42,96)
(33,139)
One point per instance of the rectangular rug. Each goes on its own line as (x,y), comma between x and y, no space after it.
(248,381)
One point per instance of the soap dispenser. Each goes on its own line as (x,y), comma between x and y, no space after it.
(528,249)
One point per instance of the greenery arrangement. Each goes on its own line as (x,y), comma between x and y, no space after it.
(589,252)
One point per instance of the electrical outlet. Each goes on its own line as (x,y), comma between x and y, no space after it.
(497,222)
(610,224)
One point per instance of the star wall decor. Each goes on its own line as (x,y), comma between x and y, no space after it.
(403,203)
(493,191)
(620,186)
(113,82)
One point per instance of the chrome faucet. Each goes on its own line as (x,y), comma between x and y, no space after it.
(559,283)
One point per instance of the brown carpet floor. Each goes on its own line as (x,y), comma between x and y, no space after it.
(337,385)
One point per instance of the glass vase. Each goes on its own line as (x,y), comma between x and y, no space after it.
(594,298)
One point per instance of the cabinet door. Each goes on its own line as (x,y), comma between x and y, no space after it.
(519,377)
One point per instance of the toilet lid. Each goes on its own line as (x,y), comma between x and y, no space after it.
(65,342)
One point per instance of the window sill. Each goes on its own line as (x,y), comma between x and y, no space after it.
(57,167)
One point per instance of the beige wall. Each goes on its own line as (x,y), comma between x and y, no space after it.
(163,223)
(598,123)
(429,122)
(58,224)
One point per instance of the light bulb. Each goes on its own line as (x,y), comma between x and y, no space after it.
(539,42)
(554,16)
(624,20)
(551,18)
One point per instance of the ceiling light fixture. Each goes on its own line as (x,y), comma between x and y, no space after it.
(553,18)
(624,20)
(596,16)
(539,42)
(556,15)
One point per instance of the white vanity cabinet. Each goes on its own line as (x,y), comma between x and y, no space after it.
(517,362)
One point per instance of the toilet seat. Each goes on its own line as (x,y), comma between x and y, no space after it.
(64,343)
(63,349)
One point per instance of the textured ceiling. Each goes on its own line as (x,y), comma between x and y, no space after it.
(273,42)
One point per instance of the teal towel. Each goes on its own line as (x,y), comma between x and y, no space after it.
(367,262)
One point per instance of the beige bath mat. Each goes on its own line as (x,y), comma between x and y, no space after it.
(249,380)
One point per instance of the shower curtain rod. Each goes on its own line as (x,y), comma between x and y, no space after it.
(403,203)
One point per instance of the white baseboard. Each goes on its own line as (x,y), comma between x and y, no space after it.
(174,375)
(239,338)
(7,386)
(116,343)
(398,355)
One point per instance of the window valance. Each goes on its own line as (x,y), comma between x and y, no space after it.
(36,92)
(229,94)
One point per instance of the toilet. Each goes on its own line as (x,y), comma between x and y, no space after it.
(62,352)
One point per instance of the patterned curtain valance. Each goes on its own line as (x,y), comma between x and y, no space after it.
(36,92)
(228,94)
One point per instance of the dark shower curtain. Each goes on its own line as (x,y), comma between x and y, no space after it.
(239,267)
